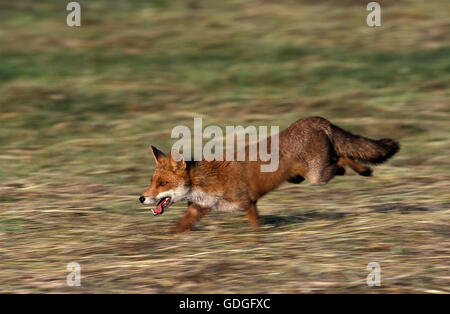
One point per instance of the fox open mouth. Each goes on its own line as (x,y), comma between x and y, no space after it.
(163,204)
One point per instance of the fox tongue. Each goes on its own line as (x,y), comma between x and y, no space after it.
(158,210)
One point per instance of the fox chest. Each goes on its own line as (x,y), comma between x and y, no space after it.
(213,201)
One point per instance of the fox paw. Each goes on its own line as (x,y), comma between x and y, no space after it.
(367,172)
(340,171)
(296,179)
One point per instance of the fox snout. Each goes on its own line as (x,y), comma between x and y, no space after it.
(146,200)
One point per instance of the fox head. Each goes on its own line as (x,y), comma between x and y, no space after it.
(169,183)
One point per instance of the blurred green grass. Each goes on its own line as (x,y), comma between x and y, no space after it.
(80,106)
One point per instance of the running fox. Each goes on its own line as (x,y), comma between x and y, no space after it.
(311,148)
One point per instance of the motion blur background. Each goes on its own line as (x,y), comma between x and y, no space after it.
(79,107)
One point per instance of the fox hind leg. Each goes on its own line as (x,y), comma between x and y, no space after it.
(330,171)
(357,167)
(324,174)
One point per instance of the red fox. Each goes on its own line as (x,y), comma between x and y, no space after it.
(311,148)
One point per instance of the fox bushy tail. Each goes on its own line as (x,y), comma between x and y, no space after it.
(361,148)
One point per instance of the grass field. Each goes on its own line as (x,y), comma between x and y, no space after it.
(79,107)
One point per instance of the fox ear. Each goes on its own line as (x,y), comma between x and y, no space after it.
(176,160)
(159,156)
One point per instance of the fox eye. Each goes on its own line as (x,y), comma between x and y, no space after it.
(162,183)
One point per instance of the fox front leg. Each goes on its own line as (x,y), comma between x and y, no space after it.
(193,214)
(253,216)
